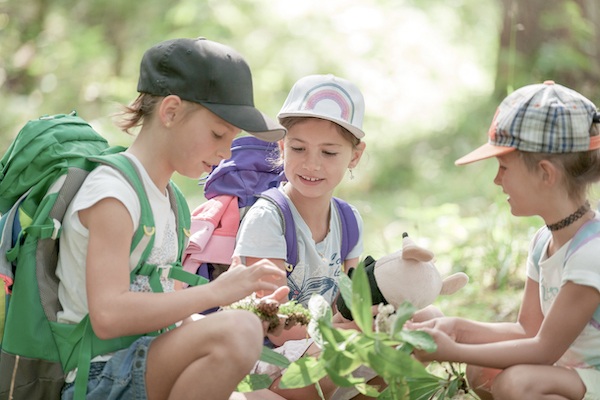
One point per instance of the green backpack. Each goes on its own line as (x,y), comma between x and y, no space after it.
(39,175)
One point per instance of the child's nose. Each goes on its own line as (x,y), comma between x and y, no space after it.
(498,178)
(224,152)
(312,161)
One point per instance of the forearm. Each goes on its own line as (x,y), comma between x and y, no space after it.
(474,332)
(132,313)
(501,355)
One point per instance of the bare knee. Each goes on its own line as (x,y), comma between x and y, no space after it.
(513,383)
(239,339)
(480,380)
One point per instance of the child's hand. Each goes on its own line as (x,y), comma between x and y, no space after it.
(426,314)
(445,346)
(280,295)
(444,324)
(240,281)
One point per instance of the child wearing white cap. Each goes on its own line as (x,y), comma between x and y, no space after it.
(323,115)
(546,140)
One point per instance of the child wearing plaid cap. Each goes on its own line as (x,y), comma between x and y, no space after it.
(546,140)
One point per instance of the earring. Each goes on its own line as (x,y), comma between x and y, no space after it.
(168,124)
(351,174)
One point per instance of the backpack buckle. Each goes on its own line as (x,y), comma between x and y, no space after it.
(164,274)
(56,230)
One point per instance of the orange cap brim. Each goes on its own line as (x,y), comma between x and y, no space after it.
(483,152)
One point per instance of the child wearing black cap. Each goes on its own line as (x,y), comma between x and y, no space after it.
(195,97)
(546,140)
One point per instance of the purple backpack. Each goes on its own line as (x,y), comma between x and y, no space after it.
(250,175)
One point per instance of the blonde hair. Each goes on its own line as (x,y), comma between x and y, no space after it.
(141,109)
(138,111)
(580,169)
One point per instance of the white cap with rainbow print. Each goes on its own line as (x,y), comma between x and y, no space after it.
(327,97)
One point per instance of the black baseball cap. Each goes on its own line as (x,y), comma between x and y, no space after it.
(211,74)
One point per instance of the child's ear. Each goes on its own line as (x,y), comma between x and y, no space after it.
(357,153)
(548,172)
(168,110)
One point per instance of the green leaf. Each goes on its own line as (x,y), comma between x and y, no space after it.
(390,363)
(343,363)
(361,301)
(367,390)
(345,284)
(402,314)
(398,389)
(303,372)
(343,380)
(442,395)
(452,388)
(274,358)
(419,339)
(254,382)
(423,388)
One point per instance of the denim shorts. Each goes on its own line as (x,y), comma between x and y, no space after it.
(123,376)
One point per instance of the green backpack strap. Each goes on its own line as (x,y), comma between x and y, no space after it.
(82,336)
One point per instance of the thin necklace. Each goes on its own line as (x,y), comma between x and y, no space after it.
(571,218)
(325,244)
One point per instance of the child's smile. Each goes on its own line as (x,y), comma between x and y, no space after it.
(315,157)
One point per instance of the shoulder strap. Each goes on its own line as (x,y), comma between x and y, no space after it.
(348,222)
(143,239)
(588,231)
(289,227)
(349,227)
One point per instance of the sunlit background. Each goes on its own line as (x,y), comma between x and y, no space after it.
(432,73)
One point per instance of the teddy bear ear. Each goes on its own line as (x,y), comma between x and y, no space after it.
(410,250)
(454,283)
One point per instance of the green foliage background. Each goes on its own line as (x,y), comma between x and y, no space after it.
(432,72)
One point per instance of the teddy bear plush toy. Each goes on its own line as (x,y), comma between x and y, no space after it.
(406,275)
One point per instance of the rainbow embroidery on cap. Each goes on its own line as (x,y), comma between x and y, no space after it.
(329,93)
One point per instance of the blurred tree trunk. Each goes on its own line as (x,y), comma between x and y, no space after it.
(550,39)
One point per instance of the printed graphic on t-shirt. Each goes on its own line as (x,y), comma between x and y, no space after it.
(548,293)
(323,280)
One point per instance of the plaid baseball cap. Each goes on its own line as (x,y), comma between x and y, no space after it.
(541,118)
(211,74)
(326,97)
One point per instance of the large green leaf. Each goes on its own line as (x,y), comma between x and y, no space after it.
(424,388)
(402,314)
(390,363)
(419,339)
(361,301)
(254,382)
(345,284)
(274,358)
(342,362)
(303,372)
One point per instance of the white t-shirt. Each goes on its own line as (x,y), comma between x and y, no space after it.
(104,182)
(319,264)
(582,268)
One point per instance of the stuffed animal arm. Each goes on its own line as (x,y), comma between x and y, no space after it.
(406,275)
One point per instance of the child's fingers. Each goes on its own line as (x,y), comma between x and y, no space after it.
(235,261)
(280,295)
